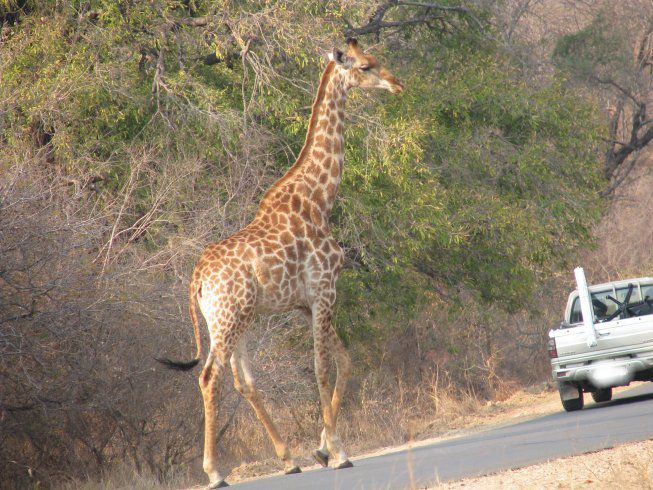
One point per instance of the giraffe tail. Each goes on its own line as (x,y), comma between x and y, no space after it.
(195,290)
(177,365)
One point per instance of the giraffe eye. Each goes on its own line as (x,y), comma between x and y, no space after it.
(365,68)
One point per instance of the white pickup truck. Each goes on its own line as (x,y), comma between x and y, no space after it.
(605,340)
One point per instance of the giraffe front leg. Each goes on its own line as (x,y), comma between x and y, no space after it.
(323,337)
(343,369)
(209,381)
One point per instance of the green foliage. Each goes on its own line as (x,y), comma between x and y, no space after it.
(483,181)
(471,178)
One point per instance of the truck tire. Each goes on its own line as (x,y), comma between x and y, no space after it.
(603,395)
(575,403)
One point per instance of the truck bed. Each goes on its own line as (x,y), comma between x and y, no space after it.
(629,336)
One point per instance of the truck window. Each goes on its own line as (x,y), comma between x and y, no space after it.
(641,299)
(603,307)
(634,297)
(576,314)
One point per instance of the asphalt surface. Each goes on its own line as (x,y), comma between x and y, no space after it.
(627,418)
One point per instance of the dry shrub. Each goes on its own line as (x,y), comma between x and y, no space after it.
(79,392)
(624,236)
(116,411)
(46,320)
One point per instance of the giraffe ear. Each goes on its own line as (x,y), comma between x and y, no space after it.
(340,58)
(353,48)
(352,42)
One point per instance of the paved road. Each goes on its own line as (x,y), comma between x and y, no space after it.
(629,417)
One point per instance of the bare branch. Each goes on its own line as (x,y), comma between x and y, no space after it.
(610,81)
(429,12)
(625,173)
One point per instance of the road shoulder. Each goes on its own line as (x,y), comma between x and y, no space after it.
(624,466)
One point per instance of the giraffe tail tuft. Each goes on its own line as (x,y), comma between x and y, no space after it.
(178,365)
(195,290)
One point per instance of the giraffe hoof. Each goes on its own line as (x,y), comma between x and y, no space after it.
(293,470)
(345,464)
(321,457)
(219,484)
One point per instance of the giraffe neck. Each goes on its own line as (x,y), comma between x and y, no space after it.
(315,176)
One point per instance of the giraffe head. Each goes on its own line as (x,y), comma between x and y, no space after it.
(363,70)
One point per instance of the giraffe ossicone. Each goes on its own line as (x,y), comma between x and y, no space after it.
(285,259)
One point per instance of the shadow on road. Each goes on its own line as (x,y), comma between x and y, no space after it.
(631,398)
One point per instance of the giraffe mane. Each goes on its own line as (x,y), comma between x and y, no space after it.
(310,132)
(312,123)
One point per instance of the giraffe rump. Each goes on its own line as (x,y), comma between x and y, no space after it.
(178,365)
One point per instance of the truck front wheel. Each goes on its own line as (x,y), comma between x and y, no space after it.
(603,395)
(571,396)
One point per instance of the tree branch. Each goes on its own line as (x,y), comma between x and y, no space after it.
(617,182)
(610,81)
(376,23)
(615,159)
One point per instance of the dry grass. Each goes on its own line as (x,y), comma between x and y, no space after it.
(624,467)
(124,477)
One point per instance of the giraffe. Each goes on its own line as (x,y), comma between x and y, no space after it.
(285,259)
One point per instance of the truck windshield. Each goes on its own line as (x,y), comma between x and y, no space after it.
(640,303)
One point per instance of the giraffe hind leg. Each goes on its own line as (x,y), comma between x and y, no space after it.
(224,335)
(244,384)
(210,380)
